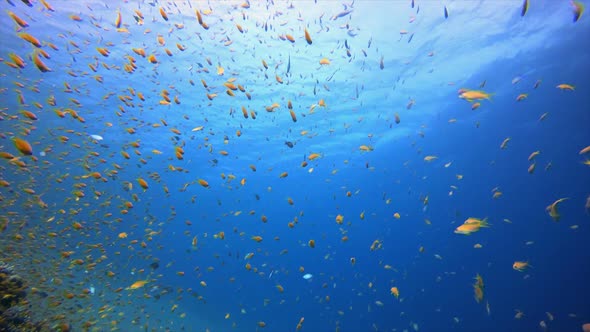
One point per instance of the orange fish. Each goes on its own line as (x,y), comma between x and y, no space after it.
(139,51)
(471,95)
(578,8)
(47,6)
(394,291)
(118,20)
(30,115)
(143,183)
(163,13)
(552,209)
(18,20)
(30,39)
(313,156)
(293,116)
(520,266)
(199,17)
(39,64)
(471,225)
(23,146)
(137,284)
(307,37)
(103,50)
(566,87)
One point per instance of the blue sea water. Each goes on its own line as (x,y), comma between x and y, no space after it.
(386,59)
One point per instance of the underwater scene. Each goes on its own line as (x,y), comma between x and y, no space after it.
(400,165)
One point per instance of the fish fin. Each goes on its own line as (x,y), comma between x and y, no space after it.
(484,223)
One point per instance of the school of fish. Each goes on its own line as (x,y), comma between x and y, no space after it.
(142,124)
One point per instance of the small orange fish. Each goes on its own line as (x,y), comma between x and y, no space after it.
(307,37)
(118,20)
(293,116)
(17,60)
(143,183)
(23,146)
(552,209)
(163,13)
(471,225)
(566,87)
(199,17)
(103,51)
(313,156)
(39,64)
(30,115)
(478,293)
(18,20)
(520,266)
(578,8)
(471,95)
(137,284)
(28,37)
(394,291)
(139,51)
(47,6)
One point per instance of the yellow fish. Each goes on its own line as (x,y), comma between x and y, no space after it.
(395,292)
(471,225)
(520,266)
(566,87)
(471,95)
(137,284)
(552,209)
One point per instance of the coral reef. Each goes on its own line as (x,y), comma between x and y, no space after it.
(14,313)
